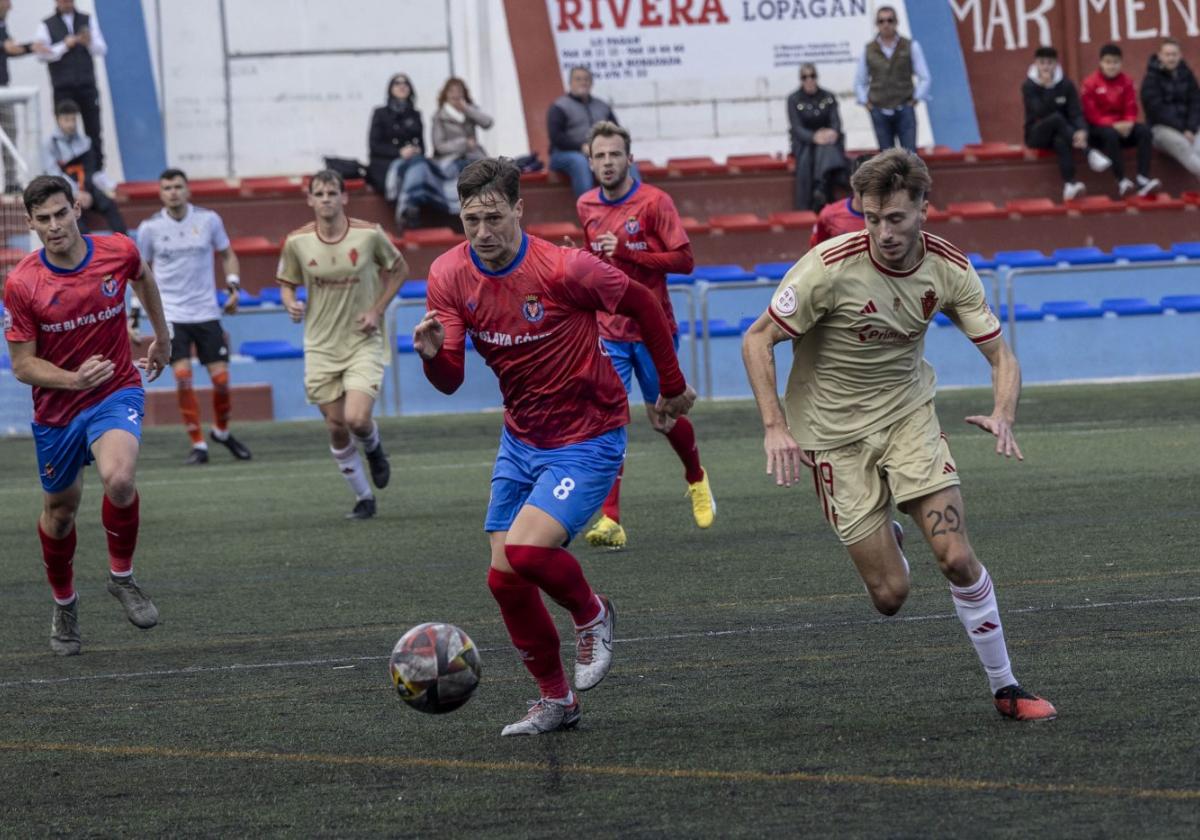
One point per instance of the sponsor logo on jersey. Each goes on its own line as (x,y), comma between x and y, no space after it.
(532,309)
(110,286)
(884,335)
(928,304)
(631,226)
(353,256)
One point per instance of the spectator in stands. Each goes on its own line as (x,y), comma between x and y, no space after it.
(840,216)
(1053,116)
(454,141)
(1171,100)
(1110,108)
(69,153)
(396,131)
(8,121)
(884,82)
(569,121)
(69,41)
(817,141)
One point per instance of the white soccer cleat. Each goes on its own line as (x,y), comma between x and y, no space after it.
(546,716)
(593,648)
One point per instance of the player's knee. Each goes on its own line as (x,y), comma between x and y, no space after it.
(119,486)
(889,596)
(359,424)
(60,517)
(956,561)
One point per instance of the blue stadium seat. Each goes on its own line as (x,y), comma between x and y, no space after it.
(412,290)
(1023,259)
(267,350)
(271,294)
(722,273)
(980,261)
(1182,303)
(1021,312)
(746,323)
(5,362)
(720,328)
(404,343)
(772,270)
(1131,306)
(1090,255)
(1189,250)
(1144,252)
(244,298)
(942,320)
(1063,309)
(681,280)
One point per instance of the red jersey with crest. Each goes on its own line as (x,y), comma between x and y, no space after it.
(645,221)
(834,220)
(73,314)
(534,323)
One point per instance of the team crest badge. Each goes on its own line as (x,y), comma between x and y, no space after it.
(785,304)
(110,286)
(928,304)
(895,304)
(471,305)
(532,309)
(353,256)
(49,471)
(631,226)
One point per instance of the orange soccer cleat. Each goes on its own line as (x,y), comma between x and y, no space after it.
(1015,702)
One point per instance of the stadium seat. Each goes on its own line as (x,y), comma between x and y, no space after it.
(12,256)
(1158,201)
(938,154)
(746,323)
(1088,255)
(648,170)
(1188,250)
(980,262)
(1064,309)
(722,273)
(555,231)
(936,214)
(1090,204)
(254,246)
(285,184)
(270,295)
(942,320)
(994,151)
(693,226)
(756,163)
(268,350)
(1023,259)
(1144,252)
(694,166)
(1131,306)
(684,326)
(793,219)
(1035,207)
(138,190)
(434,237)
(5,362)
(245,299)
(681,280)
(1021,312)
(404,343)
(976,210)
(1182,303)
(214,188)
(412,290)
(1190,197)
(539,177)
(720,328)
(772,270)
(739,222)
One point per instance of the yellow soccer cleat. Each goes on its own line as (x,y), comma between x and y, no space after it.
(704,506)
(606,533)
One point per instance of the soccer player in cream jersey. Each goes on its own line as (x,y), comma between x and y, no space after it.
(859,400)
(351,272)
(178,242)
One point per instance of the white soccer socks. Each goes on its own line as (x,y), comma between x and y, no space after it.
(980,616)
(350,465)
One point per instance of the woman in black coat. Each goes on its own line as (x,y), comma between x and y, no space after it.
(817,141)
(396,131)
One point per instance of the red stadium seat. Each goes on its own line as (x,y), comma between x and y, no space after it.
(976,210)
(694,166)
(286,184)
(138,190)
(1090,204)
(253,246)
(739,223)
(216,188)
(648,169)
(756,163)
(1035,207)
(539,177)
(794,219)
(354,184)
(936,214)
(994,151)
(1158,201)
(10,256)
(433,237)
(1190,197)
(694,227)
(1039,154)
(555,231)
(941,154)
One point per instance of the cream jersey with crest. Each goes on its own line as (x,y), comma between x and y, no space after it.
(342,280)
(859,334)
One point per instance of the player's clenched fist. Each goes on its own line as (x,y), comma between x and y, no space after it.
(96,370)
(157,358)
(428,336)
(678,405)
(295,308)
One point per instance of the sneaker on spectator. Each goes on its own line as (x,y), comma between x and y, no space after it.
(1147,185)
(1097,161)
(1073,189)
(1124,187)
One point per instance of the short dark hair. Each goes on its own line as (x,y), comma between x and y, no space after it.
(41,188)
(327,176)
(1045,52)
(1110,49)
(891,9)
(490,175)
(893,171)
(859,161)
(607,128)
(173,173)
(66,106)
(582,67)
(1170,42)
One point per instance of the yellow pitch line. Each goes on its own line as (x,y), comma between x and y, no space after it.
(620,771)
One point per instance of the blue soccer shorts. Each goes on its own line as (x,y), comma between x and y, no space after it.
(631,358)
(569,482)
(62,451)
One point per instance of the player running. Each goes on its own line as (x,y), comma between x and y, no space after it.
(65,324)
(859,401)
(636,228)
(530,308)
(351,271)
(178,244)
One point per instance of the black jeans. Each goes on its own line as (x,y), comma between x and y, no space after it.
(1107,140)
(1054,132)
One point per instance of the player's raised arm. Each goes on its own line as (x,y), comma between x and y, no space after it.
(159,354)
(785,458)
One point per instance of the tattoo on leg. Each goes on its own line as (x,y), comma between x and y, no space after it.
(947,521)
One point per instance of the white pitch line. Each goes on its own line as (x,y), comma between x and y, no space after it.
(340,661)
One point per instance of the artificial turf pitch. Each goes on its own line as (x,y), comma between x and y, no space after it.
(754,690)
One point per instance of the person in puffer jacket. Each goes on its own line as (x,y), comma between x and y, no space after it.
(1053,116)
(1171,100)
(1110,108)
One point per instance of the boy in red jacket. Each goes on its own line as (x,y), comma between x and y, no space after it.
(1110,108)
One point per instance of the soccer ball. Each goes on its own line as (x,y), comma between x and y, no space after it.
(435,667)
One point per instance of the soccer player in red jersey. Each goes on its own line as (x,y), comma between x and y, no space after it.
(65,325)
(636,228)
(530,309)
(840,217)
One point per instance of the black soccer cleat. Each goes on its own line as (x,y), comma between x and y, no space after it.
(381,468)
(363,509)
(235,446)
(197,456)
